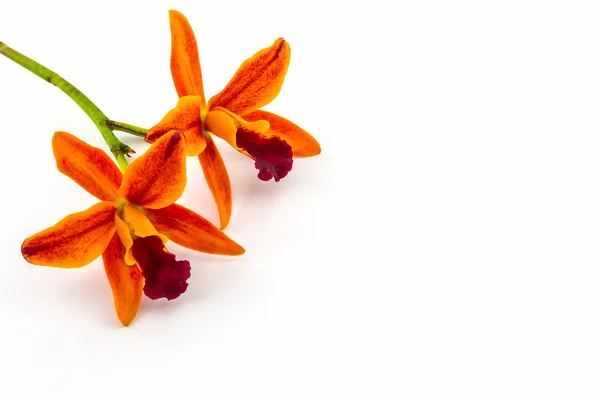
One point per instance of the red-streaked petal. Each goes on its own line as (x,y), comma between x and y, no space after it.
(217,179)
(126,282)
(273,156)
(75,241)
(185,61)
(157,178)
(185,117)
(257,82)
(302,143)
(89,166)
(190,230)
(164,275)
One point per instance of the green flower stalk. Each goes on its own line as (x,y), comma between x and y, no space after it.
(104,125)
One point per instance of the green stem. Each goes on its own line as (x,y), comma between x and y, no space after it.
(119,149)
(128,128)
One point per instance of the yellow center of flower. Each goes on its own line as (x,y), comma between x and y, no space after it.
(225,124)
(131,224)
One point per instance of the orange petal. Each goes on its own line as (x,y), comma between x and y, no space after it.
(257,82)
(185,61)
(126,282)
(75,241)
(185,117)
(217,179)
(89,166)
(302,143)
(190,230)
(157,178)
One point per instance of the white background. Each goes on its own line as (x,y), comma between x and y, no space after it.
(445,244)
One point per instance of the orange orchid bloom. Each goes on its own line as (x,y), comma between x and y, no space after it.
(233,114)
(131,224)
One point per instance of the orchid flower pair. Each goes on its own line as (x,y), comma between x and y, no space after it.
(136,214)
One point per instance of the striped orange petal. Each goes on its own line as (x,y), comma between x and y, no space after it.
(89,166)
(257,82)
(217,179)
(185,61)
(75,241)
(186,118)
(157,178)
(126,281)
(190,230)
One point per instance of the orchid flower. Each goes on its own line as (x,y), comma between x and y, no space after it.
(131,224)
(234,114)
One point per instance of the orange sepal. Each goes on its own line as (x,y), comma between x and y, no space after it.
(88,166)
(126,282)
(302,143)
(75,241)
(185,117)
(190,230)
(157,178)
(257,82)
(185,61)
(217,179)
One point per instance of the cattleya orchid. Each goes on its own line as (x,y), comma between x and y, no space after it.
(131,224)
(136,214)
(234,114)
